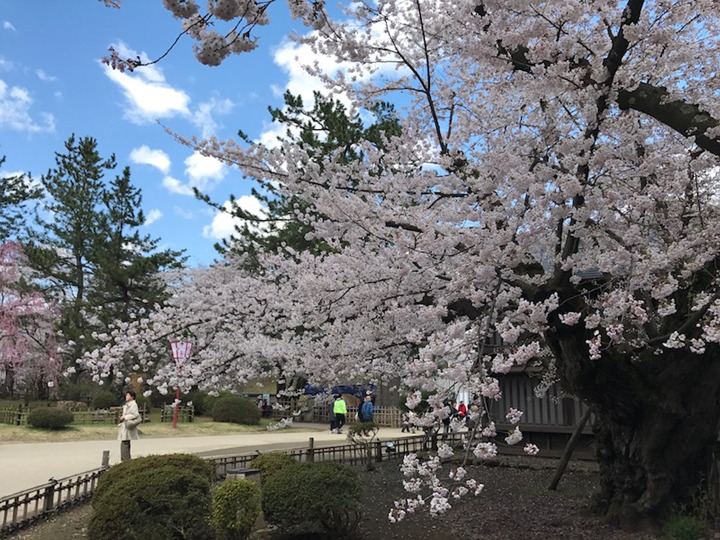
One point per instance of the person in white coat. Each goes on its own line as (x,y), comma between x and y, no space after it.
(128,427)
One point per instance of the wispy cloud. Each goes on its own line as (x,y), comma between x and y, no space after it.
(204,116)
(44,76)
(148,94)
(144,155)
(15,114)
(223,224)
(152,216)
(204,171)
(7,25)
(173,185)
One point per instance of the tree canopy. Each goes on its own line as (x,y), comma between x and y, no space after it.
(553,181)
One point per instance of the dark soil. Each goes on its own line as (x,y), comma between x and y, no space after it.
(515,504)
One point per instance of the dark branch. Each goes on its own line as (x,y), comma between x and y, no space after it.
(685,118)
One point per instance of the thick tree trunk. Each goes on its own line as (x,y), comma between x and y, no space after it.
(657,419)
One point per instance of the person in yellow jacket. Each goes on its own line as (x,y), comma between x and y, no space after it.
(340,412)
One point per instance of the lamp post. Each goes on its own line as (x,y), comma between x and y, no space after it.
(180,353)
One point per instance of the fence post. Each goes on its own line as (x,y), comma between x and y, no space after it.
(18,420)
(105,459)
(378,451)
(49,496)
(434,445)
(311,450)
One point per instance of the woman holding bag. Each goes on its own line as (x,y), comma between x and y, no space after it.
(128,427)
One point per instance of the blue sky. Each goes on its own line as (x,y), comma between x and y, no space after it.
(52,84)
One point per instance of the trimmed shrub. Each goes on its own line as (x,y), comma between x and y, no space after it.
(236,410)
(50,418)
(137,466)
(198,398)
(271,463)
(235,508)
(210,401)
(324,494)
(158,497)
(105,400)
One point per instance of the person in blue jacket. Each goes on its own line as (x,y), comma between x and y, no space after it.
(366,411)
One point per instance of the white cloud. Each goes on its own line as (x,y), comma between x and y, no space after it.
(223,224)
(44,76)
(204,171)
(203,117)
(5,64)
(291,57)
(148,94)
(183,212)
(15,104)
(173,185)
(144,155)
(152,216)
(7,25)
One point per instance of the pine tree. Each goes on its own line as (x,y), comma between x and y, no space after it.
(324,129)
(15,194)
(88,249)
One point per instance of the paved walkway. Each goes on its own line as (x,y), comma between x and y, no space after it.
(26,465)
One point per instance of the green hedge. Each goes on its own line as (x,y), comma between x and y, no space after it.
(157,497)
(235,508)
(271,463)
(314,494)
(105,400)
(236,410)
(50,418)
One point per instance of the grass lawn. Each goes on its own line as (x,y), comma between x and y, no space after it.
(201,426)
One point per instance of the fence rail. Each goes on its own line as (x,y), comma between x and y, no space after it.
(26,507)
(18,416)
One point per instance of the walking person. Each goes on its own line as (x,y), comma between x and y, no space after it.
(128,427)
(340,412)
(366,411)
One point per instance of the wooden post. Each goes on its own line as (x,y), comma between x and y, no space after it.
(434,445)
(49,496)
(378,451)
(18,420)
(569,447)
(105,459)
(311,450)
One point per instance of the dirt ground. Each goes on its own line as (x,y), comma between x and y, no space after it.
(514,504)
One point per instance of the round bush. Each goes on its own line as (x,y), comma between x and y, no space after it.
(50,418)
(138,466)
(153,498)
(236,410)
(235,508)
(210,401)
(198,398)
(105,400)
(325,494)
(271,463)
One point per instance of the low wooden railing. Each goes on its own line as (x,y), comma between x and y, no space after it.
(26,507)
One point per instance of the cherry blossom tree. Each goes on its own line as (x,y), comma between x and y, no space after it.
(29,355)
(554,183)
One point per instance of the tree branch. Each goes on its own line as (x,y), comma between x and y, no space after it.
(686,118)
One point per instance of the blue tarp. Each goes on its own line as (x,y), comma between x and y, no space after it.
(352,389)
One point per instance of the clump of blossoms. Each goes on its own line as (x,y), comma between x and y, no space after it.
(427,475)
(425,480)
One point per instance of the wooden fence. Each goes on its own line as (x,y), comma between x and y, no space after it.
(24,508)
(382,416)
(18,416)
